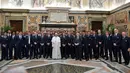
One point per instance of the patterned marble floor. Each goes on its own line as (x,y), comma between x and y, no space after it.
(101,66)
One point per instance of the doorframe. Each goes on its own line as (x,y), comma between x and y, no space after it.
(90,19)
(17,24)
(96,21)
(23,18)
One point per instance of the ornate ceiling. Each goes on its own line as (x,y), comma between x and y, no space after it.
(73,4)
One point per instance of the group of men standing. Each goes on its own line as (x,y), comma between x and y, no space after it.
(79,45)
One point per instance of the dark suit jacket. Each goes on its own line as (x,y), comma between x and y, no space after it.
(20,42)
(63,40)
(9,39)
(125,43)
(107,41)
(34,39)
(100,39)
(117,40)
(13,40)
(70,39)
(78,41)
(94,41)
(84,40)
(89,40)
(42,40)
(48,40)
(4,40)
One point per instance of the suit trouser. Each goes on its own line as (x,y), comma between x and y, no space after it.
(3,53)
(48,51)
(31,49)
(19,51)
(83,50)
(63,51)
(126,55)
(96,52)
(101,50)
(69,50)
(35,51)
(26,49)
(8,50)
(108,49)
(117,53)
(42,50)
(88,52)
(78,52)
(73,51)
(11,47)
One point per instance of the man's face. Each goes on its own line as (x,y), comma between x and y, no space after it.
(29,33)
(99,31)
(88,33)
(107,33)
(56,34)
(77,34)
(123,33)
(9,31)
(94,32)
(115,31)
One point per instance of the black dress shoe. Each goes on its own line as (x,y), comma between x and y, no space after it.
(120,63)
(126,63)
(106,59)
(1,60)
(87,59)
(80,59)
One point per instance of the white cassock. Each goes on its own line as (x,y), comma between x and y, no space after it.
(56,44)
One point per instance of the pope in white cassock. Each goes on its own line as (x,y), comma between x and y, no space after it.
(56,44)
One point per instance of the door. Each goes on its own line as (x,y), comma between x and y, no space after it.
(17,25)
(96,25)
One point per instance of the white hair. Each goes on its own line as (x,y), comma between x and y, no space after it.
(16,70)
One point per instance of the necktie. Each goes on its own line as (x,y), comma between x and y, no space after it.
(13,36)
(28,39)
(20,36)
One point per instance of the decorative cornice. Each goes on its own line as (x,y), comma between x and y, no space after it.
(45,11)
(90,12)
(14,10)
(38,11)
(122,7)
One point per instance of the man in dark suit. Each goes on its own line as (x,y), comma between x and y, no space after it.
(48,45)
(125,44)
(108,45)
(19,46)
(13,43)
(25,45)
(10,50)
(88,52)
(63,45)
(116,40)
(4,50)
(100,43)
(84,47)
(34,53)
(70,50)
(78,47)
(95,45)
(38,43)
(29,45)
(42,45)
